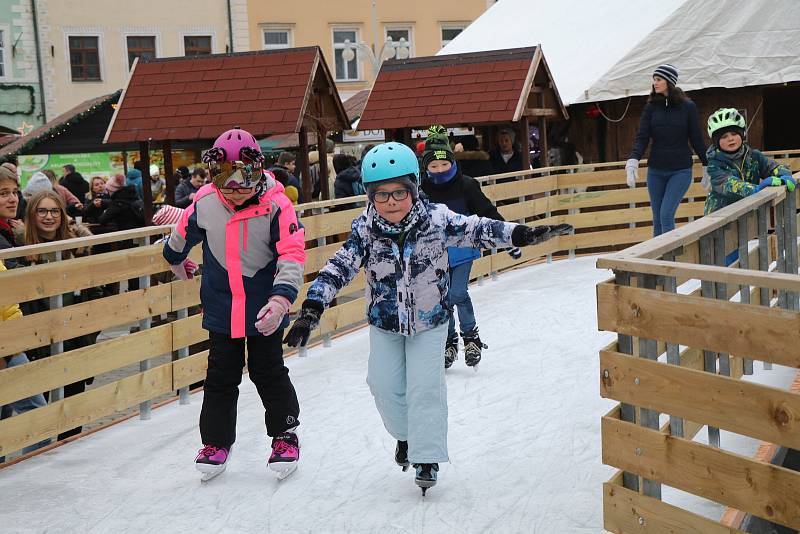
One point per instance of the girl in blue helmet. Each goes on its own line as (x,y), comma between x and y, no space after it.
(401,241)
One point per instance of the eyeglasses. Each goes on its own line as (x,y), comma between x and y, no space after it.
(383,196)
(44,212)
(242,190)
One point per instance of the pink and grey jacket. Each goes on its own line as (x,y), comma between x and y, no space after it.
(248,255)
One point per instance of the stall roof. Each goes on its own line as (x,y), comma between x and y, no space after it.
(354,106)
(474,88)
(265,92)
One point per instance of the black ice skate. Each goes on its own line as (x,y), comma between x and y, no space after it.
(426,476)
(450,351)
(472,348)
(401,455)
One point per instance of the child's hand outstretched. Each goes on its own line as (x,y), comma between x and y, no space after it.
(526,235)
(307,321)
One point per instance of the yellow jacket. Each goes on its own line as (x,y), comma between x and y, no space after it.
(9,311)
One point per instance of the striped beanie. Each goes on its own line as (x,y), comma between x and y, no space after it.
(167,215)
(668,72)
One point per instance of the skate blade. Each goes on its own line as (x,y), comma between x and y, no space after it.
(404,467)
(283,470)
(209,472)
(425,484)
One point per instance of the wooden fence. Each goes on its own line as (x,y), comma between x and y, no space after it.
(690,320)
(607,215)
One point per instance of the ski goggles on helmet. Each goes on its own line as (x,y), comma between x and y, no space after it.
(235,176)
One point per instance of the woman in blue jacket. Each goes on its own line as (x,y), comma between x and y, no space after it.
(670,120)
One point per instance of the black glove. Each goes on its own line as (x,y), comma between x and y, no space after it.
(525,235)
(515,253)
(307,321)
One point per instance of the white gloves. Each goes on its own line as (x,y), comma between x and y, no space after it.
(632,171)
(706,181)
(271,315)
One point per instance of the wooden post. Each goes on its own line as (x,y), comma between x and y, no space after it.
(322,149)
(147,194)
(543,158)
(169,173)
(124,162)
(302,164)
(522,138)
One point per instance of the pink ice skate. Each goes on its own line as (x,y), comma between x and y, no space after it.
(285,454)
(211,461)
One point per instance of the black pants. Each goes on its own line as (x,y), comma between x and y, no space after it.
(271,377)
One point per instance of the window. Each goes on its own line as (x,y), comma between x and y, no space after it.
(142,46)
(2,53)
(449,33)
(397,34)
(196,45)
(275,38)
(84,58)
(345,70)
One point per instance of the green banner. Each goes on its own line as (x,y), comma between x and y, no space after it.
(103,164)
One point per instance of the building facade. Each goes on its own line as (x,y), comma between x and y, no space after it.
(20,90)
(353,33)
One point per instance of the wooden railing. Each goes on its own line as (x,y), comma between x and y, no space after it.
(690,320)
(593,198)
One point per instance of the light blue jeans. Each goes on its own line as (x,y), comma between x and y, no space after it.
(666,189)
(406,377)
(23,405)
(458,296)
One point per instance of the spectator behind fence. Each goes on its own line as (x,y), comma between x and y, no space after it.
(283,178)
(505,157)
(315,171)
(472,160)
(125,210)
(115,183)
(134,178)
(74,181)
(9,203)
(47,222)
(74,204)
(10,312)
(21,205)
(158,186)
(288,162)
(187,189)
(97,200)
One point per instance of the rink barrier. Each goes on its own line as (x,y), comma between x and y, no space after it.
(594,198)
(688,328)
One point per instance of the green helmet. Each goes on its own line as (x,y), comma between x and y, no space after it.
(726,118)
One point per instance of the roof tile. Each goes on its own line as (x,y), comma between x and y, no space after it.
(161,111)
(147,68)
(225,107)
(212,75)
(243,95)
(268,116)
(212,63)
(489,77)
(435,82)
(189,76)
(230,85)
(306,56)
(274,93)
(237,62)
(139,90)
(515,74)
(168,89)
(288,103)
(501,116)
(209,97)
(282,70)
(288,81)
(250,72)
(157,79)
(493,106)
(483,97)
(269,60)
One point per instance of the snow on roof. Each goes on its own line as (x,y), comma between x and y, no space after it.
(582,39)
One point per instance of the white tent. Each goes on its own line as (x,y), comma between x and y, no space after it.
(604,51)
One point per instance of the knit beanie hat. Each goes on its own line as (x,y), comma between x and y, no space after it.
(167,215)
(38,182)
(668,72)
(437,147)
(404,180)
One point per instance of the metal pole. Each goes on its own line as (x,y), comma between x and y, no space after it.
(627,411)
(707,290)
(547,215)
(744,263)
(183,352)
(144,324)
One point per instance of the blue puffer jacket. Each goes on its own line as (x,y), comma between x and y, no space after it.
(406,279)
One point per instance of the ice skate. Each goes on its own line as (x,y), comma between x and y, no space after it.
(401,455)
(450,351)
(211,461)
(285,454)
(426,476)
(472,348)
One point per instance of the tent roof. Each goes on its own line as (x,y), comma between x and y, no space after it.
(582,39)
(264,92)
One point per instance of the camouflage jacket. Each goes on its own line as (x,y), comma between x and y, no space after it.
(407,280)
(734,178)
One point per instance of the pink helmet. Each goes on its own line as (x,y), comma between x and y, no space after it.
(235,160)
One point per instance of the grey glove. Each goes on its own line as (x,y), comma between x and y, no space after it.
(632,171)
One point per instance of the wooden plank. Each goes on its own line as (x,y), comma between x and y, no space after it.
(31,427)
(189,370)
(626,511)
(318,256)
(502,260)
(523,210)
(329,223)
(611,197)
(593,178)
(357,285)
(749,331)
(747,408)
(541,112)
(343,315)
(519,188)
(604,238)
(61,369)
(188,331)
(595,219)
(185,293)
(759,488)
(72,321)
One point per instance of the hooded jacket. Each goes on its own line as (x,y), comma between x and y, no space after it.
(733,178)
(134,178)
(407,279)
(249,255)
(182,192)
(76,184)
(125,209)
(348,182)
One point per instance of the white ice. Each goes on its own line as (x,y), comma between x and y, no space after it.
(524,441)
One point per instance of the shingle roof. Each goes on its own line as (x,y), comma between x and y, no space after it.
(451,89)
(264,92)
(354,106)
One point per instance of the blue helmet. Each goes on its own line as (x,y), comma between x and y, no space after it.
(387,161)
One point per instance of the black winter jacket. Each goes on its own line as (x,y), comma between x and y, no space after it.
(182,192)
(76,185)
(671,128)
(125,211)
(499,166)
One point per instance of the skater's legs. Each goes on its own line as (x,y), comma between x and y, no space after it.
(386,377)
(458,296)
(426,394)
(271,377)
(677,185)
(221,390)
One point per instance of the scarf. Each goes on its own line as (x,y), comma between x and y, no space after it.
(384,227)
(443,177)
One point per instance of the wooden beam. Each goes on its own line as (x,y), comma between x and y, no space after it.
(762,412)
(522,137)
(302,164)
(759,488)
(541,112)
(169,173)
(322,149)
(147,195)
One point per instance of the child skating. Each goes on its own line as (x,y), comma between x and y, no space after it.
(401,241)
(253,259)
